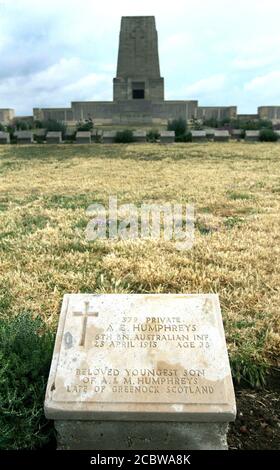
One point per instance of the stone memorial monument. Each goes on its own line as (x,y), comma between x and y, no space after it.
(138,89)
(140,372)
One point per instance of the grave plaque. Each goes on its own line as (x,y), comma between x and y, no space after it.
(83,137)
(140,357)
(199,136)
(109,137)
(24,137)
(54,137)
(140,136)
(167,137)
(4,138)
(252,136)
(236,134)
(221,136)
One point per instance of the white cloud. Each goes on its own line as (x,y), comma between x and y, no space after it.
(111,68)
(57,85)
(89,87)
(252,63)
(267,85)
(181,40)
(256,52)
(61,73)
(206,85)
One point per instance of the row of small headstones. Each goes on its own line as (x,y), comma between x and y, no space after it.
(140,136)
(237,134)
(42,135)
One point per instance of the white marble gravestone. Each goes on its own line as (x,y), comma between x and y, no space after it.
(109,137)
(54,137)
(24,137)
(139,136)
(129,366)
(221,136)
(252,136)
(199,136)
(167,137)
(83,137)
(4,138)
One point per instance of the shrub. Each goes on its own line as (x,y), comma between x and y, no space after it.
(225,122)
(179,126)
(70,135)
(96,137)
(25,355)
(23,125)
(11,129)
(244,124)
(40,135)
(251,125)
(85,126)
(124,137)
(265,124)
(196,124)
(53,125)
(38,124)
(153,135)
(212,122)
(187,137)
(2,128)
(268,135)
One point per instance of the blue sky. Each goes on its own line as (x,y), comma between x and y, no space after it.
(219,52)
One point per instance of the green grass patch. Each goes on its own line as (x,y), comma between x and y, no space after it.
(247,364)
(235,195)
(31,223)
(69,202)
(6,166)
(25,355)
(245,370)
(232,222)
(5,297)
(205,210)
(203,228)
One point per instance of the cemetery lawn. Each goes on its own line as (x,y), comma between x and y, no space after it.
(235,187)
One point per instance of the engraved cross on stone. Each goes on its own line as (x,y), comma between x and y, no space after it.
(85,314)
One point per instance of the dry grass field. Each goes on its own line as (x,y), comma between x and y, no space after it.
(235,188)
